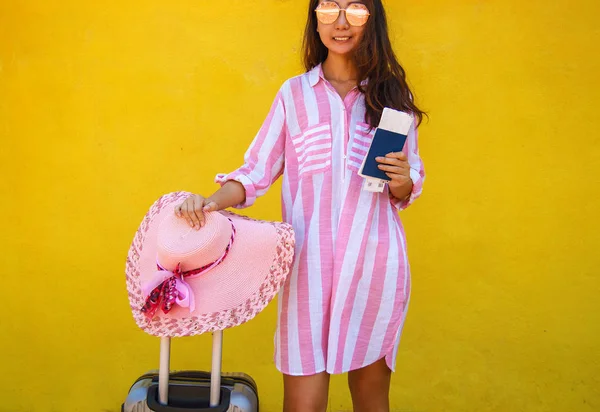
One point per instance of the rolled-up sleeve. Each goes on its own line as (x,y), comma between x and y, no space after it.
(417,170)
(264,159)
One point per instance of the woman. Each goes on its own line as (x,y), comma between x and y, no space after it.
(343,306)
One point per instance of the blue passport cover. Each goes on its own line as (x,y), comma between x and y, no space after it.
(384,142)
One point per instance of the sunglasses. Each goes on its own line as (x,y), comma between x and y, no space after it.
(328,12)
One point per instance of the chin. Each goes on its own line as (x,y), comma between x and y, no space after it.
(339,49)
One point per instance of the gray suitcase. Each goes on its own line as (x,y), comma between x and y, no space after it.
(192,391)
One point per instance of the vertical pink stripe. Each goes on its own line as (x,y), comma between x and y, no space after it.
(298,99)
(327,254)
(304,328)
(323,103)
(264,129)
(348,103)
(404,261)
(291,167)
(284,342)
(325,116)
(347,113)
(277,148)
(284,215)
(399,300)
(349,304)
(326,240)
(376,287)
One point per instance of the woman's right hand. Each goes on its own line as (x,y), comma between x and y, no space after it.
(193,208)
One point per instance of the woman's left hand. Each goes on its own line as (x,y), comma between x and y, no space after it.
(396,166)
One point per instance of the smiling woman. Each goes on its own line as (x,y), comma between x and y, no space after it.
(343,306)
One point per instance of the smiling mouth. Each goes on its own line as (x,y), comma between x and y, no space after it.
(341,38)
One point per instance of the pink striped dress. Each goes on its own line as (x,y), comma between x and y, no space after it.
(344,303)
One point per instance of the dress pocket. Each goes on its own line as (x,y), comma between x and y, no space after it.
(359,146)
(313,149)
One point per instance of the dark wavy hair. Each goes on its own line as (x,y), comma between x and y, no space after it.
(375,60)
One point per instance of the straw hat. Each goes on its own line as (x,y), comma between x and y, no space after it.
(183,282)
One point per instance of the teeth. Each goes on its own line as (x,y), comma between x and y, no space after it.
(341,38)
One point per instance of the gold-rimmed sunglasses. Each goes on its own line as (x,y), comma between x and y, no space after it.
(328,12)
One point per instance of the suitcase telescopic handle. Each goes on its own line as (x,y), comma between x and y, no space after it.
(215,370)
(215,374)
(164,370)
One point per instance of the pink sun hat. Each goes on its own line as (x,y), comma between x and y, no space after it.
(183,282)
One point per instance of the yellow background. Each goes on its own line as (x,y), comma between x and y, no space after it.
(105,106)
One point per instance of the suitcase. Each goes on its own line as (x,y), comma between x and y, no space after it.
(192,391)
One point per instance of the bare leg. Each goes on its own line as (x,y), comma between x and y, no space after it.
(370,387)
(305,393)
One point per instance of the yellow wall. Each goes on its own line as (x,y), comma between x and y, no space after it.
(104,106)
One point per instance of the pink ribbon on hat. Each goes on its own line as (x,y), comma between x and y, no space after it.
(166,287)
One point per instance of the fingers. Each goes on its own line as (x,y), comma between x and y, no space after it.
(397,177)
(393,169)
(197,215)
(394,165)
(398,180)
(393,159)
(398,155)
(189,214)
(191,211)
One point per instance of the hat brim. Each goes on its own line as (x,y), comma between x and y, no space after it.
(228,295)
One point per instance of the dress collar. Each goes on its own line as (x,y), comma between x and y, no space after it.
(315,75)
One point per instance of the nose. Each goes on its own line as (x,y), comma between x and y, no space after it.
(341,22)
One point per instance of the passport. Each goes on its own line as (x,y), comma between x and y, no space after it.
(384,142)
(389,137)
